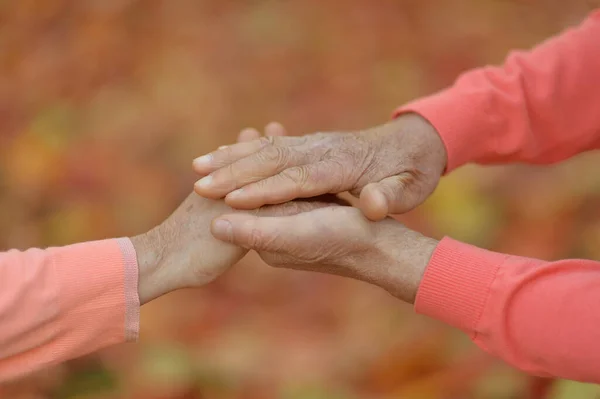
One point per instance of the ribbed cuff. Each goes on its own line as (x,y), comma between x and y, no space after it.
(132,299)
(92,296)
(456,118)
(456,284)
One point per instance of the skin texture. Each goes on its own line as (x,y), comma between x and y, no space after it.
(320,234)
(392,168)
(335,239)
(181,252)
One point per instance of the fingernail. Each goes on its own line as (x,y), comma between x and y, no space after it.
(222,147)
(203,161)
(204,182)
(221,229)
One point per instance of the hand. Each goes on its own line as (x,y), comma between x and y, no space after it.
(392,168)
(336,240)
(181,252)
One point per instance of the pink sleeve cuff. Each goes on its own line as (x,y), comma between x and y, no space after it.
(99,295)
(65,302)
(130,282)
(456,284)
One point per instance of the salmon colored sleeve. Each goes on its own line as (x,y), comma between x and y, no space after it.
(61,303)
(540,107)
(541,317)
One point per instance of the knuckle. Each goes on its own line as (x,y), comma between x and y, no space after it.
(408,178)
(255,236)
(339,175)
(260,241)
(268,140)
(298,175)
(278,156)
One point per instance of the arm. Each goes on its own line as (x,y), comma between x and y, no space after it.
(61,303)
(541,317)
(541,106)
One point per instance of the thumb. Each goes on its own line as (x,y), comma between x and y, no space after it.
(391,195)
(269,234)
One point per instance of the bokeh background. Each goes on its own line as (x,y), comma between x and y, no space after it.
(104,103)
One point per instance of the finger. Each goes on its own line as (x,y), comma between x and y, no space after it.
(275,129)
(263,164)
(337,199)
(217,159)
(300,206)
(373,203)
(270,234)
(391,195)
(248,134)
(355,192)
(291,208)
(302,181)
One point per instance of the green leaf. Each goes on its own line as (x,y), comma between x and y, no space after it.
(87,382)
(564,389)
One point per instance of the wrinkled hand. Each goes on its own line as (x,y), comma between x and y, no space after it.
(392,168)
(335,240)
(181,252)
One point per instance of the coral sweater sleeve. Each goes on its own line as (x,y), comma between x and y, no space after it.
(540,107)
(61,303)
(541,317)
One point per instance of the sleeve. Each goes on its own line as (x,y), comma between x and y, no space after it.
(61,303)
(540,107)
(541,317)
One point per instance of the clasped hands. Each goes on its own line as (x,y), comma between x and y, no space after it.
(280,200)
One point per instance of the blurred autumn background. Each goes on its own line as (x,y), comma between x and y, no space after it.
(104,103)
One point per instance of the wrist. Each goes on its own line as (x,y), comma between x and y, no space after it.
(411,128)
(150,253)
(405,255)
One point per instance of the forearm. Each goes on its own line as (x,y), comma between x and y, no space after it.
(539,316)
(539,107)
(61,303)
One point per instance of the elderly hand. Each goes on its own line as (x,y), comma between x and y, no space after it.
(181,251)
(392,168)
(337,240)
